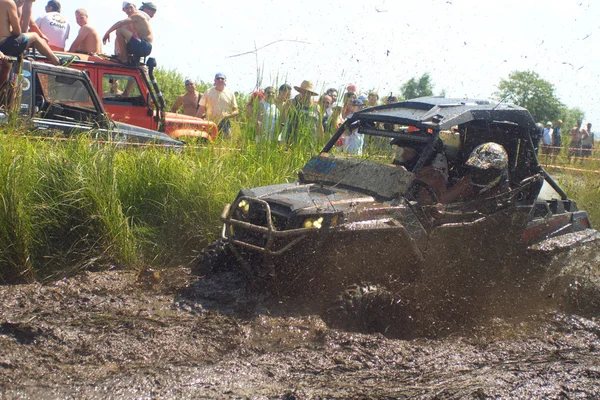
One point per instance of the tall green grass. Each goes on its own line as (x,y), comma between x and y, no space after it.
(68,206)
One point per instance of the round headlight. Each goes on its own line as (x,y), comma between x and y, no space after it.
(313,222)
(244,206)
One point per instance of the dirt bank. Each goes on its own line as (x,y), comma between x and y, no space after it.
(117,335)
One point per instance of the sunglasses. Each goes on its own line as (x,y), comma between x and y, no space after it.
(220,79)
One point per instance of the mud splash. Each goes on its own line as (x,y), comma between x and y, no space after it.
(117,335)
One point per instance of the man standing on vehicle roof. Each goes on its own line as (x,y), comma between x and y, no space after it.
(54,26)
(219,104)
(190,100)
(134,35)
(88,39)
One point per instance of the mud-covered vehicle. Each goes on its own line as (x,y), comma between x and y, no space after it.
(374,221)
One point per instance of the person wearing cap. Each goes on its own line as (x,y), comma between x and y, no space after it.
(88,39)
(218,104)
(547,139)
(303,119)
(54,26)
(133,35)
(148,9)
(190,100)
(556,140)
(352,140)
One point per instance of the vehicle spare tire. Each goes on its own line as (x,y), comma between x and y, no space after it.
(215,257)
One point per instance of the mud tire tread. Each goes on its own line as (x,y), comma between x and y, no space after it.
(214,258)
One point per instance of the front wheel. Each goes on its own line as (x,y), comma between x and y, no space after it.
(215,257)
(370,309)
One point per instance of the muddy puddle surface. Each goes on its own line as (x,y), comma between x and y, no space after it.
(115,334)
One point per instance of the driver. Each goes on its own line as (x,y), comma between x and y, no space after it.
(487,175)
(434,173)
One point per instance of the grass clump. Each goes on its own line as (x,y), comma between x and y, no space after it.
(74,205)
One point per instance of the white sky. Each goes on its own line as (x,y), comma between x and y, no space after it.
(466,45)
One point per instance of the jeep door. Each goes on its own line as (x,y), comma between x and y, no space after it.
(125,99)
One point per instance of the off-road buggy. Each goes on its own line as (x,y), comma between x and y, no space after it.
(365,220)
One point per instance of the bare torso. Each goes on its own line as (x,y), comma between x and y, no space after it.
(190,103)
(8,11)
(87,41)
(141,27)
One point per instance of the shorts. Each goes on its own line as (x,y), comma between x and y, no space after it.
(139,47)
(586,150)
(14,45)
(575,149)
(225,128)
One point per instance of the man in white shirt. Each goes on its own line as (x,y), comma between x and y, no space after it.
(54,26)
(219,104)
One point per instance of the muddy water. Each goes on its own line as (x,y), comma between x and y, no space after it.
(168,335)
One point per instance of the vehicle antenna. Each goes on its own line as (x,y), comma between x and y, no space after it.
(501,101)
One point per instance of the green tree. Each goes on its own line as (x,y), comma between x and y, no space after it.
(417,87)
(527,89)
(569,117)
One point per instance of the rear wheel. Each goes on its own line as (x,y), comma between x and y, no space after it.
(215,257)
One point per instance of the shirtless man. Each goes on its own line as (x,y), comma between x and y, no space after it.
(24,12)
(12,41)
(88,39)
(134,35)
(190,100)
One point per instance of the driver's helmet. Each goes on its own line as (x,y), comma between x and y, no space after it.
(488,165)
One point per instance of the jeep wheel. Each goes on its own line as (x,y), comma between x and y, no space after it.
(368,309)
(215,257)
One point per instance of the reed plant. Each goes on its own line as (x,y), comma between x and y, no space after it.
(68,206)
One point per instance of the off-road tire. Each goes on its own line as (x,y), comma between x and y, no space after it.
(215,257)
(367,308)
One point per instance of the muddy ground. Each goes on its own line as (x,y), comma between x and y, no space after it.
(118,334)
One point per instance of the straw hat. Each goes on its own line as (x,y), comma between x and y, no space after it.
(306,87)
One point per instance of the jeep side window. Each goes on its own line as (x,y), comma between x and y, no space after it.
(66,90)
(121,90)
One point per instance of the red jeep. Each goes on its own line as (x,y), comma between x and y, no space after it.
(131,95)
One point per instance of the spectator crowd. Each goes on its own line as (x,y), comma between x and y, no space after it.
(272,114)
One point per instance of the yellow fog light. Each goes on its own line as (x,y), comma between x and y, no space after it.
(244,206)
(313,223)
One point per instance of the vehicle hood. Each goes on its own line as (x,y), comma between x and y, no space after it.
(309,198)
(144,135)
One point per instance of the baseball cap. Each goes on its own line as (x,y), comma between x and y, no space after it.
(125,3)
(148,5)
(548,123)
(220,75)
(357,102)
(189,82)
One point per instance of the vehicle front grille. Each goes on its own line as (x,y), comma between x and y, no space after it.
(257,215)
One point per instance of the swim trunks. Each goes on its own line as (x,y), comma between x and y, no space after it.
(14,45)
(139,47)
